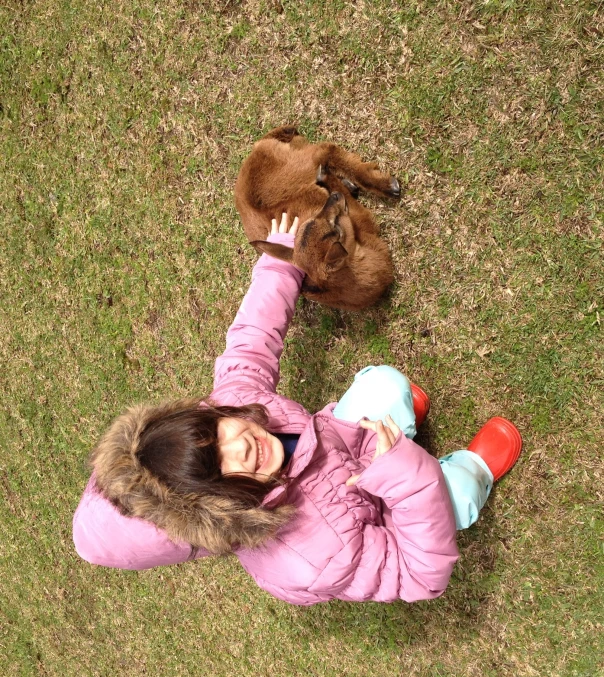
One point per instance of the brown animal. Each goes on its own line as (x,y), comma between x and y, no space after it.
(337,245)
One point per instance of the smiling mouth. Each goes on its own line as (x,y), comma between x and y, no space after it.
(260,457)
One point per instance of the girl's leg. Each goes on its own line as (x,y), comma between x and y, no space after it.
(377,391)
(470,473)
(469,482)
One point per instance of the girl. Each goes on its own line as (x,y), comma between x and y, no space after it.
(315,507)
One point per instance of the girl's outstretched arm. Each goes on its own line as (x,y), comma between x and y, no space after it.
(254,341)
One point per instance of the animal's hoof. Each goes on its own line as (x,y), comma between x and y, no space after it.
(395,188)
(353,189)
(321,176)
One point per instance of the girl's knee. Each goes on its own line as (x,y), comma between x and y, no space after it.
(388,380)
(387,392)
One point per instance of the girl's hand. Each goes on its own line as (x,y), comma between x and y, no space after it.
(386,435)
(283,227)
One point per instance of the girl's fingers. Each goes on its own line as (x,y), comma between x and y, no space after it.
(283,225)
(389,435)
(385,440)
(367,424)
(382,430)
(392,425)
(385,436)
(391,428)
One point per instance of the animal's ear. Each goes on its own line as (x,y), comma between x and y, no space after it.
(336,256)
(279,251)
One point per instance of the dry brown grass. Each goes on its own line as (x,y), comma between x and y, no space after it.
(122,128)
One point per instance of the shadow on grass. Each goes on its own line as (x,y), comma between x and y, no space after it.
(460,612)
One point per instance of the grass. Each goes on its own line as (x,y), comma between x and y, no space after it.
(122,128)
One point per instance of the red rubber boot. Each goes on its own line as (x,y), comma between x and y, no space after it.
(421,404)
(498,443)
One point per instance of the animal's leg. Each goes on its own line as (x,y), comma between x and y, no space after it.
(256,225)
(329,180)
(362,220)
(352,187)
(285,133)
(361,217)
(366,175)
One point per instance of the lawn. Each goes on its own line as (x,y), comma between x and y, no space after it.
(122,262)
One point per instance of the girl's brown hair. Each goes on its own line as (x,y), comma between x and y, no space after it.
(181,450)
(161,463)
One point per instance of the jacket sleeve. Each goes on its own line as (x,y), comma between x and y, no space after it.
(412,559)
(254,341)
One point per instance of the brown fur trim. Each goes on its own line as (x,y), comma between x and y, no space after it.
(216,523)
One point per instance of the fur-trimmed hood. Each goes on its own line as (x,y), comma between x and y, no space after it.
(214,522)
(390,536)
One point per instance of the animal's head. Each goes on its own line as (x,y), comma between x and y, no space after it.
(323,243)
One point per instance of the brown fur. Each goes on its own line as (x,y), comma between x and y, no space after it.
(216,523)
(346,263)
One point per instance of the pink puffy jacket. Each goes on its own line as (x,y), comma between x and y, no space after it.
(390,536)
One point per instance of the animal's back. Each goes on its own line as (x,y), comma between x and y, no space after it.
(359,284)
(277,176)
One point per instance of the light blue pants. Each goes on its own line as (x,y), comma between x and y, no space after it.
(378,391)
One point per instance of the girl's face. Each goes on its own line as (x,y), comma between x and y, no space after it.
(246,448)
